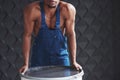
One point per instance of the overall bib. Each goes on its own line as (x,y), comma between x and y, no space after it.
(50,45)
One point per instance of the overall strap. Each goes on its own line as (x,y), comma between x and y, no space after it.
(42,14)
(58,17)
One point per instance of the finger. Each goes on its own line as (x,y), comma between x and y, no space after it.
(22,70)
(80,67)
(25,70)
(23,73)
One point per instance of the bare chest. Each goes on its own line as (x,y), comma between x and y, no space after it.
(50,23)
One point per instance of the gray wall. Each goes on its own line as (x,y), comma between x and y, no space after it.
(94,38)
(116,38)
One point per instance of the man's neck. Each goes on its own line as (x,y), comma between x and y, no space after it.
(49,12)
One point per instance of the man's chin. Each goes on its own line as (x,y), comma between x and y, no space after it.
(52,6)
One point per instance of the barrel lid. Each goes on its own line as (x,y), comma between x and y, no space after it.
(51,72)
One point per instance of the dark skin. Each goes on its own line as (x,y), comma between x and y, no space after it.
(32,22)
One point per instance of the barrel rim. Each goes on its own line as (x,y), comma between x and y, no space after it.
(81,73)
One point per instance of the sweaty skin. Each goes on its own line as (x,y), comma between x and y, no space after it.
(32,22)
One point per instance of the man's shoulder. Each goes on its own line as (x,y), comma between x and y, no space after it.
(32,6)
(67,6)
(32,10)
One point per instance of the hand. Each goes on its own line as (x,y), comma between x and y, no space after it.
(23,69)
(76,66)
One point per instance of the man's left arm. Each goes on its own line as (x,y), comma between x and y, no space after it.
(71,36)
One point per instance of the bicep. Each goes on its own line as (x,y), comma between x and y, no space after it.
(70,22)
(69,27)
(28,22)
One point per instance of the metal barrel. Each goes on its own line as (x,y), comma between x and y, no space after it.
(52,73)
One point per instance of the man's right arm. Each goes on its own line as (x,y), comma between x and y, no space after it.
(28,29)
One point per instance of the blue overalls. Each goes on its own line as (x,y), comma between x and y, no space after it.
(50,45)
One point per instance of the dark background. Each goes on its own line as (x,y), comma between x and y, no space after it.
(116,38)
(97,29)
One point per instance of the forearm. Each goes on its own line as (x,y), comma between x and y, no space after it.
(26,48)
(72,47)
